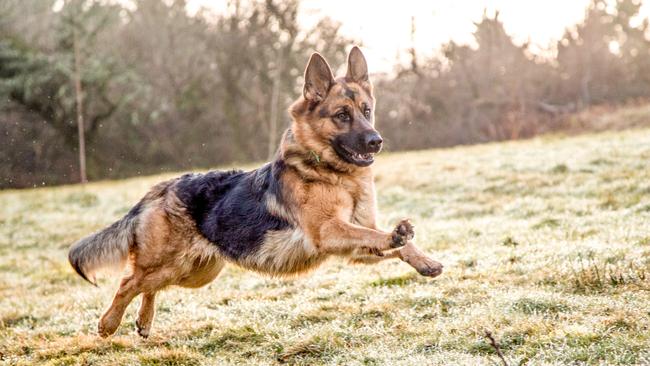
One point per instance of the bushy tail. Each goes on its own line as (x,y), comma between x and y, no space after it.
(106,248)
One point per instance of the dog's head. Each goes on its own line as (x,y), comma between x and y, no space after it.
(334,118)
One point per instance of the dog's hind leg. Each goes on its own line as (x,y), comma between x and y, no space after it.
(146,313)
(202,272)
(129,289)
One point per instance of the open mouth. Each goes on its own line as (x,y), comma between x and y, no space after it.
(351,156)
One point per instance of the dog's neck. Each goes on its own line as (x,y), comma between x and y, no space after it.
(311,165)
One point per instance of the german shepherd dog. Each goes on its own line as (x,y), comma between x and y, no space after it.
(315,200)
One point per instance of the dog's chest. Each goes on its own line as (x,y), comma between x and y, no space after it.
(361,207)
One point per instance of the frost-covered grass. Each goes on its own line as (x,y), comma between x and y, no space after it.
(546,243)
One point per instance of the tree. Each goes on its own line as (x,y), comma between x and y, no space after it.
(589,70)
(262,52)
(78,93)
(634,48)
(50,82)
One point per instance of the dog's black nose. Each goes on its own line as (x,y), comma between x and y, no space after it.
(373,141)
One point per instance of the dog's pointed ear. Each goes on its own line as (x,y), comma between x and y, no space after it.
(357,66)
(318,79)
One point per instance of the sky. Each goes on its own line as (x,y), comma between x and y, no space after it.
(384,27)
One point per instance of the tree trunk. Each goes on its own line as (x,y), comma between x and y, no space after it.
(80,117)
(275,96)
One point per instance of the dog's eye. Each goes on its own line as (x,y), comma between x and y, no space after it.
(366,113)
(343,116)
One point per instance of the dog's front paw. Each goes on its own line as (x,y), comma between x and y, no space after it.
(427,267)
(402,234)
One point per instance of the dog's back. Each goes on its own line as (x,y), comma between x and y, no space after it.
(230,208)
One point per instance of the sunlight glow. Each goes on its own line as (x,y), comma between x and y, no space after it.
(384,27)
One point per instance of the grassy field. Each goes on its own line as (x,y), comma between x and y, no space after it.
(546,244)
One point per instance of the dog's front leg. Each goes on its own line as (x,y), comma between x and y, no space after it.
(336,236)
(409,253)
(419,260)
(368,257)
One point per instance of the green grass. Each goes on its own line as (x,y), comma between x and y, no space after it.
(545,242)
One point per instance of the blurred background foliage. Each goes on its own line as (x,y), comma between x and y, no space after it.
(164,90)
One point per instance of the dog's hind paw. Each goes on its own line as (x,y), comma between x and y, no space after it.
(402,234)
(142,331)
(105,331)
